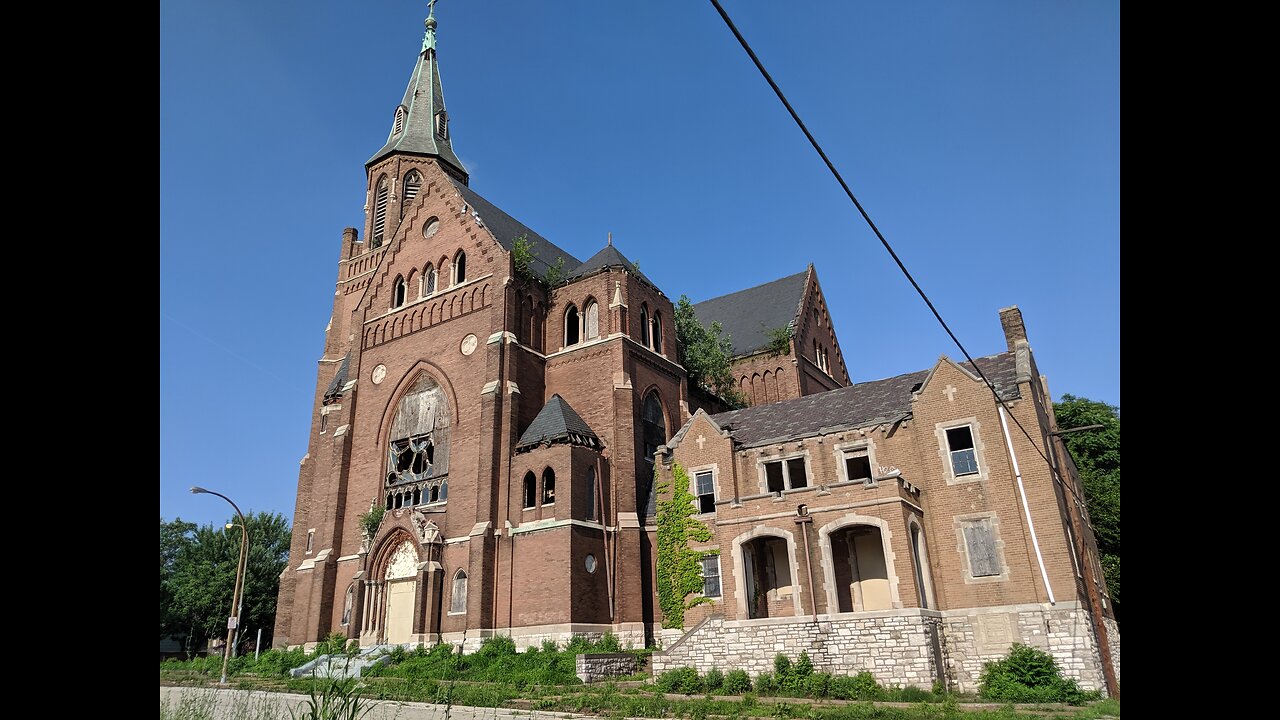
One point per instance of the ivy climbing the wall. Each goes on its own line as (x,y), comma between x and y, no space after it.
(679,566)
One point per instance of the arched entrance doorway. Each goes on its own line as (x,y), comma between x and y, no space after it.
(769,586)
(402,587)
(861,575)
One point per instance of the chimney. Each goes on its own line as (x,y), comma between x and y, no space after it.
(1014,330)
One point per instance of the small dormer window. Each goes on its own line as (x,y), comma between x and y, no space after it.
(399,124)
(442,125)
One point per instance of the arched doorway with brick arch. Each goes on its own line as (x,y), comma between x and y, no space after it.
(391,592)
(858,564)
(766,573)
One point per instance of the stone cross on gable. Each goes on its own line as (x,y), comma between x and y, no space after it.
(950,391)
(701,442)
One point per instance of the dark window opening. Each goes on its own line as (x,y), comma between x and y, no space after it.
(548,486)
(644,325)
(795,468)
(591,494)
(460,268)
(654,433)
(530,491)
(571,326)
(773,477)
(704,487)
(857,465)
(657,332)
(964,460)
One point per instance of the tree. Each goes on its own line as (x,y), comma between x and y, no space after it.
(1097,455)
(707,355)
(198,572)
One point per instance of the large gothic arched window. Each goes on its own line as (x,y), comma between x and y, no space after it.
(418,450)
(654,430)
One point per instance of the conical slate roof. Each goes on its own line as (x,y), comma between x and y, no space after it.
(421,126)
(609,256)
(557,423)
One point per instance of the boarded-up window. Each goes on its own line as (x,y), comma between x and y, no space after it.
(705,489)
(711,576)
(980,540)
(458,603)
(593,321)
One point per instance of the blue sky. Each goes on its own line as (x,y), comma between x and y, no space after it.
(983,138)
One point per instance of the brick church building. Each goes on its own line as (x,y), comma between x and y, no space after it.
(513,410)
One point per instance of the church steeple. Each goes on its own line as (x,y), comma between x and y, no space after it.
(421,125)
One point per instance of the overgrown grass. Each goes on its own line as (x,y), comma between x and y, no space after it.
(497,661)
(794,680)
(272,663)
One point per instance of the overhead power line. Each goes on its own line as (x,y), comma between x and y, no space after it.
(888,248)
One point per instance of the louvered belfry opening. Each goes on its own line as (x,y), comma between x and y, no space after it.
(380,213)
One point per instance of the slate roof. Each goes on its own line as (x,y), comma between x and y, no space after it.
(557,422)
(609,256)
(748,315)
(339,379)
(860,405)
(423,99)
(505,229)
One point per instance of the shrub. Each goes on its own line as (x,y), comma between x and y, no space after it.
(766,684)
(680,680)
(818,685)
(608,644)
(1029,675)
(497,645)
(781,665)
(862,686)
(737,682)
(912,694)
(550,646)
(713,680)
(334,644)
(279,662)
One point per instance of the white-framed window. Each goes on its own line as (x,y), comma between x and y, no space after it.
(458,601)
(429,280)
(459,268)
(311,540)
(398,125)
(711,576)
(856,461)
(398,292)
(784,473)
(964,460)
(960,447)
(704,491)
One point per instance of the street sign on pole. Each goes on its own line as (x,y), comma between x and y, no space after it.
(231,622)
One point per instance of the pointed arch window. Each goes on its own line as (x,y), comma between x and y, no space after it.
(398,292)
(654,431)
(412,184)
(458,603)
(460,268)
(398,125)
(530,491)
(572,326)
(591,326)
(644,324)
(442,125)
(656,332)
(418,451)
(591,493)
(548,486)
(380,212)
(429,280)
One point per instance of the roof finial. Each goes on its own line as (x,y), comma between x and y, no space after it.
(610,239)
(429,42)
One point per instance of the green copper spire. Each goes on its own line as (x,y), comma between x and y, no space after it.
(420,125)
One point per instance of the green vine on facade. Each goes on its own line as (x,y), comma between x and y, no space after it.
(679,566)
(779,340)
(522,257)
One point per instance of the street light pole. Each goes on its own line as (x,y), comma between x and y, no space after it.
(235,595)
(241,569)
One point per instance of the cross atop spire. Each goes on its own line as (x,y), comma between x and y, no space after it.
(429,41)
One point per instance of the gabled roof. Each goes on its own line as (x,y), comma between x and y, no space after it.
(505,229)
(609,256)
(747,315)
(557,423)
(423,100)
(861,405)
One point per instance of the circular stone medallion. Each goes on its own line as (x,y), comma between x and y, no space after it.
(379,373)
(469,344)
